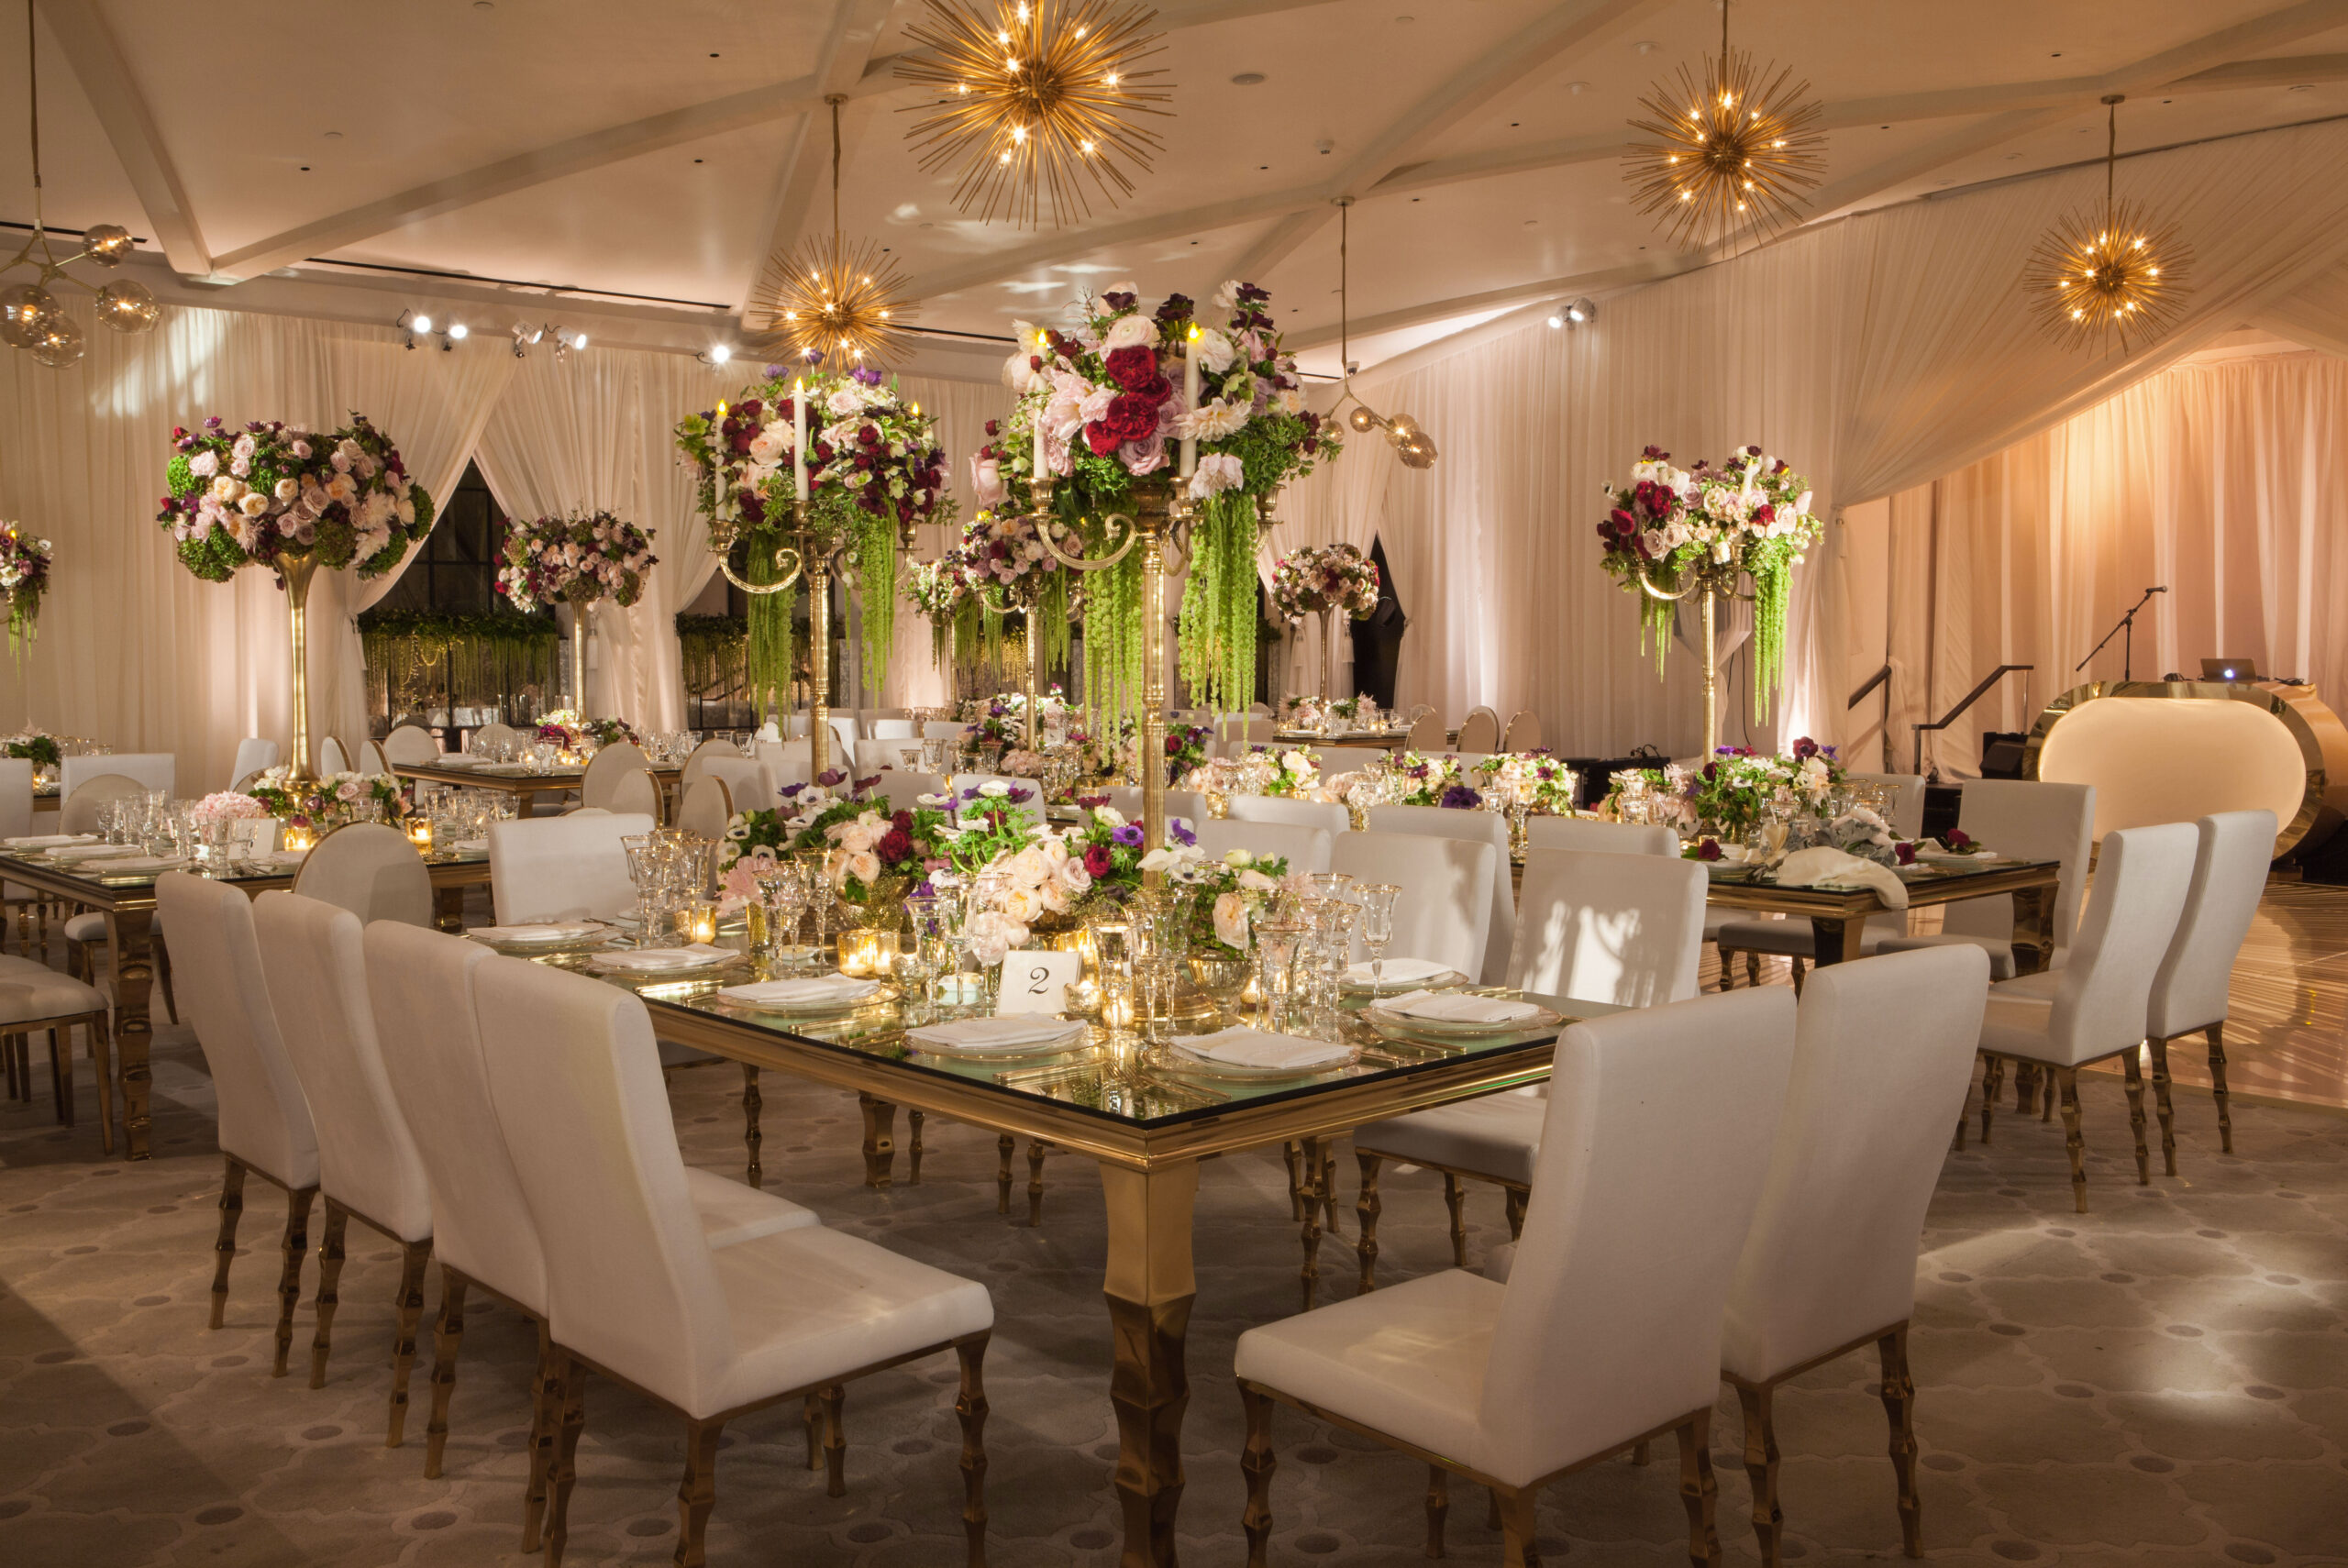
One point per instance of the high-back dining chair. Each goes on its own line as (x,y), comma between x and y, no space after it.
(422,987)
(254,754)
(411,743)
(1479,731)
(2191,993)
(369,870)
(77,812)
(1326,815)
(707,806)
(1599,837)
(599,786)
(1306,849)
(634,793)
(1883,1048)
(636,1293)
(749,783)
(1523,733)
(333,756)
(1477,827)
(1445,914)
(1607,1332)
(264,1117)
(487,736)
(703,754)
(2096,1004)
(147,769)
(368,1164)
(1427,731)
(1189,804)
(2023,820)
(570,867)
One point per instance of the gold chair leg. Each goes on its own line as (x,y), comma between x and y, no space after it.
(448,1334)
(2067,1082)
(697,1493)
(835,1442)
(1515,1199)
(101,1068)
(545,1405)
(1801,970)
(880,1140)
(1642,1453)
(912,1148)
(1993,1077)
(1035,1184)
(562,1467)
(1455,1199)
(2132,1070)
(1753,969)
(1256,1462)
(1518,1548)
(1438,1508)
(1728,973)
(1308,1276)
(1289,1153)
(2163,1108)
(329,1296)
(752,1104)
(1004,1144)
(289,1279)
(1761,1468)
(814,1417)
(416,1256)
(1900,1405)
(970,1409)
(1698,1490)
(2046,1085)
(224,1249)
(2216,1033)
(60,1073)
(1367,1208)
(1328,1178)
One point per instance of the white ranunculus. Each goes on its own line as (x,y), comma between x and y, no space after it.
(1215,350)
(1237,857)
(254,505)
(846,400)
(1227,296)
(203,465)
(1109,816)
(1217,471)
(1212,421)
(994,790)
(1130,332)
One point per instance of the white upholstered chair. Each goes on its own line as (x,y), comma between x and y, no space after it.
(84,932)
(705,808)
(77,809)
(1479,731)
(2189,993)
(1883,1049)
(872,756)
(636,1293)
(1794,939)
(1607,1332)
(1445,912)
(2096,1004)
(36,1000)
(634,793)
(334,757)
(1188,804)
(563,867)
(1623,930)
(702,756)
(1305,849)
(1523,733)
(264,1117)
(253,755)
(1603,837)
(373,871)
(1427,733)
(749,783)
(421,986)
(2020,820)
(487,736)
(411,743)
(903,790)
(895,727)
(368,1166)
(1476,827)
(147,769)
(599,784)
(1326,815)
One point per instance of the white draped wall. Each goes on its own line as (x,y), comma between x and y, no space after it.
(1874,353)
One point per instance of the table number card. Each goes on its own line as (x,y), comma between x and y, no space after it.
(1037,982)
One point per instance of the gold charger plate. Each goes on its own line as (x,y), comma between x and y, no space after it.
(1405,1026)
(1167,1059)
(585,941)
(1441,980)
(1079,1034)
(879,995)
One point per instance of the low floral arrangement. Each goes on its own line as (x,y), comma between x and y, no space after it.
(1231,894)
(995,730)
(244,497)
(1186,748)
(1424,778)
(1324,576)
(1546,786)
(939,591)
(1051,700)
(581,558)
(1295,773)
(1671,527)
(332,799)
(565,728)
(44,749)
(1058,875)
(228,806)
(24,578)
(1732,792)
(1020,763)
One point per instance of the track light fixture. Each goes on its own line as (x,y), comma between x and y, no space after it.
(410,323)
(456,332)
(1571,313)
(717,355)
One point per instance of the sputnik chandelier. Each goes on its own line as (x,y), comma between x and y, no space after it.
(2106,271)
(837,302)
(1406,435)
(30,316)
(1727,156)
(1035,104)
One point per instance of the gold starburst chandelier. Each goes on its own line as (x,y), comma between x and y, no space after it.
(1034,104)
(2106,272)
(1727,156)
(834,301)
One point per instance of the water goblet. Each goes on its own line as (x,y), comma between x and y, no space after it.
(1378,927)
(1278,943)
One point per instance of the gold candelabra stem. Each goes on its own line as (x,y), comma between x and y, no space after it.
(1035,657)
(1712,680)
(581,626)
(1328,656)
(295,569)
(818,567)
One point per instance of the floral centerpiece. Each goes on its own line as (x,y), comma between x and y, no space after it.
(1058,875)
(1672,531)
(1424,779)
(228,806)
(939,591)
(565,728)
(874,466)
(1294,773)
(579,559)
(1319,577)
(1546,785)
(44,749)
(331,799)
(1186,748)
(1231,896)
(24,578)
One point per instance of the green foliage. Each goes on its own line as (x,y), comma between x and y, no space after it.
(180,476)
(1218,651)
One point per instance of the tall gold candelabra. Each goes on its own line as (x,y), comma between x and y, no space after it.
(809,554)
(1710,581)
(295,569)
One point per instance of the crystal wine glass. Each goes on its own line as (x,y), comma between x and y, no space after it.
(1378,927)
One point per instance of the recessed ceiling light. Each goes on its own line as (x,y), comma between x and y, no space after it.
(696,161)
(1248,79)
(1406,18)
(1262,167)
(1531,223)
(484,5)
(1577,88)
(1644,46)
(334,136)
(306,168)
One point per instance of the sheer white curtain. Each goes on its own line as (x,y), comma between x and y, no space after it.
(1873,354)
(134,651)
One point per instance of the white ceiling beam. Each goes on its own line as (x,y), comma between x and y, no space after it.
(839,68)
(2276,29)
(105,79)
(614,144)
(1559,33)
(1000,265)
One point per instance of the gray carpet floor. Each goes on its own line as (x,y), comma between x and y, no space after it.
(2159,1384)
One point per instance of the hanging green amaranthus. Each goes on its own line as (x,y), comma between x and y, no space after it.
(1218,653)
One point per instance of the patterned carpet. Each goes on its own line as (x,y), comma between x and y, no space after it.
(2163,1382)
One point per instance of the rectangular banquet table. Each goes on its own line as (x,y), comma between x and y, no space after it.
(1838,918)
(1146,1127)
(525,787)
(1392,740)
(129,904)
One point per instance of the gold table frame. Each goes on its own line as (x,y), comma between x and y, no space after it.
(527,786)
(129,908)
(1149,1182)
(1838,918)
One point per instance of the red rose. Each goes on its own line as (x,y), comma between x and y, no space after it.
(1158,389)
(1101,439)
(1133,367)
(901,819)
(1131,417)
(894,846)
(1096,860)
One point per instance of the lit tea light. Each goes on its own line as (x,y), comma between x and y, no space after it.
(1117,1008)
(698,923)
(420,833)
(868,953)
(299,836)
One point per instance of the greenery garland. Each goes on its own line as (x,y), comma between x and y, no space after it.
(770,627)
(1218,644)
(477,658)
(710,647)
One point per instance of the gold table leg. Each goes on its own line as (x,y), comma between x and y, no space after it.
(134,977)
(880,1140)
(449,909)
(1149,1286)
(1837,941)
(2034,938)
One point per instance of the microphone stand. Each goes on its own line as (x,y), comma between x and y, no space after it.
(2127,642)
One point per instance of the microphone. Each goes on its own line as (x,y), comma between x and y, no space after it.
(2161,588)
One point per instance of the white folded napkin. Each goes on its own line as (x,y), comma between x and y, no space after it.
(814,991)
(996,1033)
(1932,849)
(1823,866)
(1398,971)
(47,840)
(1459,1007)
(652,960)
(286,857)
(540,931)
(1240,1046)
(470,846)
(137,865)
(96,851)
